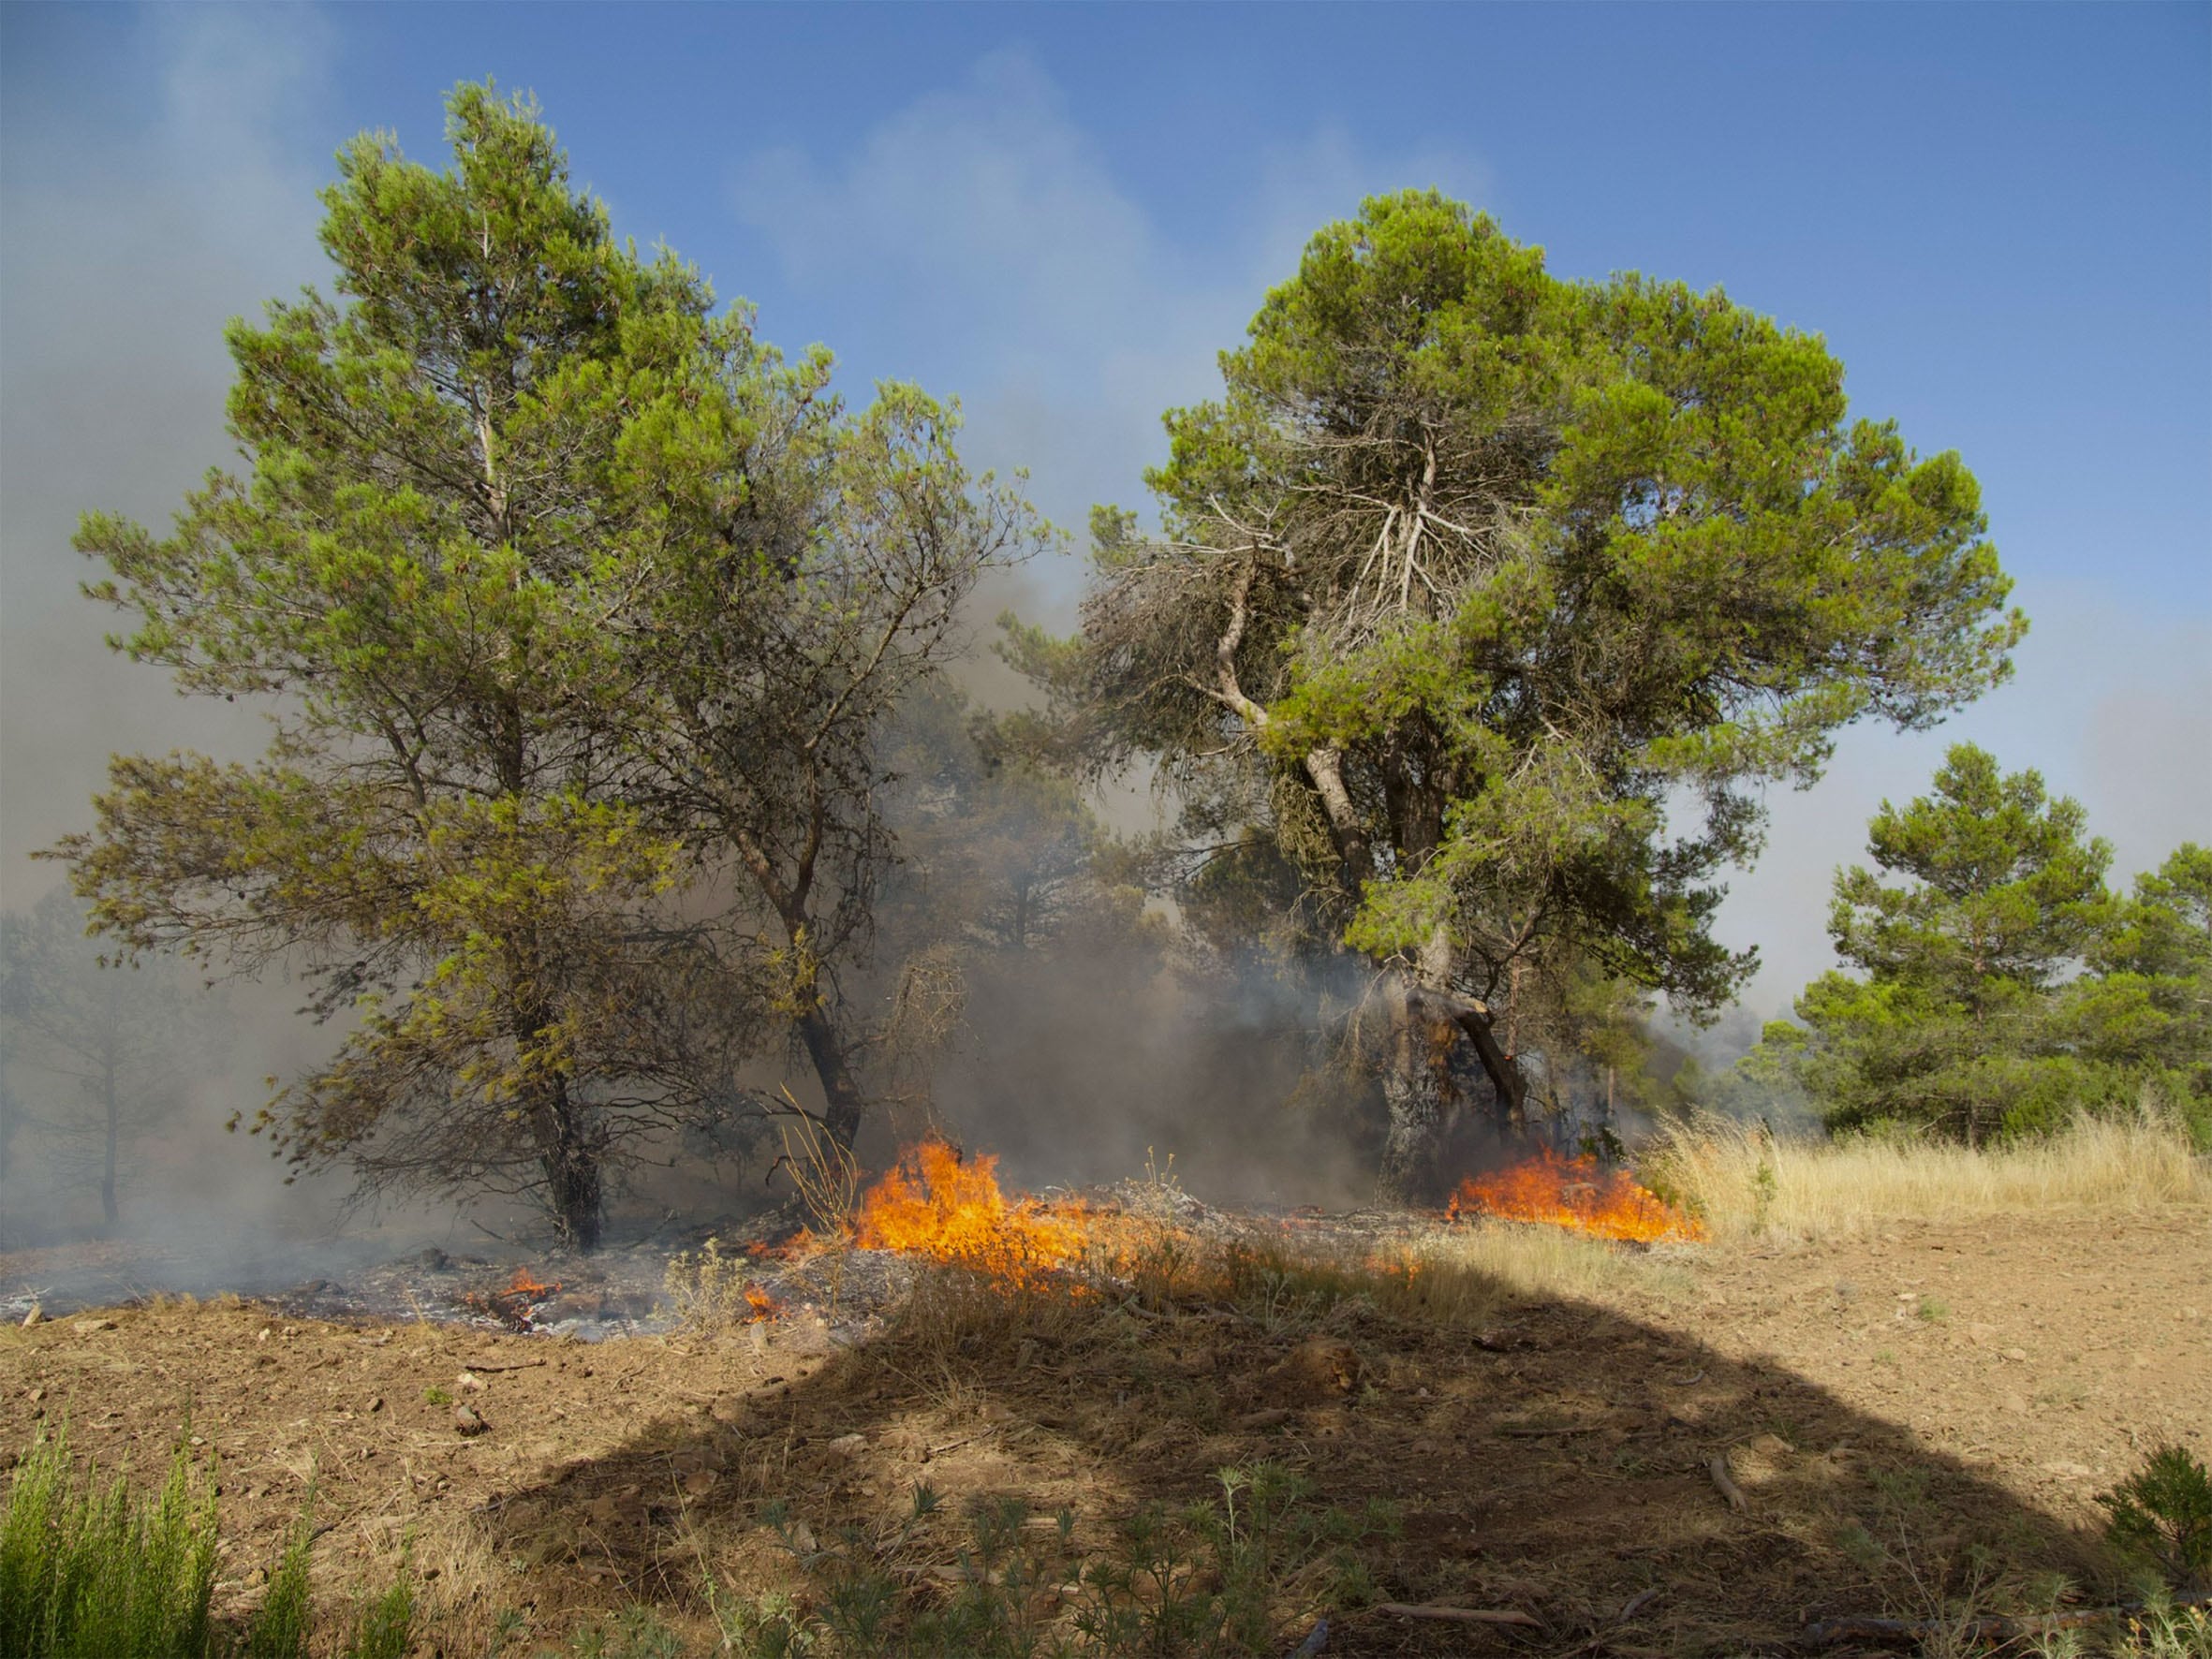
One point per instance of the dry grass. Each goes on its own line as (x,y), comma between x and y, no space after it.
(714,1293)
(1460,1276)
(1746,1182)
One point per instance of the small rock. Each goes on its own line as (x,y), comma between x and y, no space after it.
(92,1326)
(32,1317)
(36,1395)
(262,1335)
(1980,1333)
(1273,1418)
(2017,1355)
(375,1404)
(698,1483)
(845,1446)
(1322,1365)
(467,1422)
(469,1380)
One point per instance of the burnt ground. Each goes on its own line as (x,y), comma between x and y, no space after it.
(1920,1414)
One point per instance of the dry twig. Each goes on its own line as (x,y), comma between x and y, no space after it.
(1461,1615)
(1717,1469)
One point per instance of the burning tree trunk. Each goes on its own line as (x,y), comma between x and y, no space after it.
(1427,1026)
(1417,1089)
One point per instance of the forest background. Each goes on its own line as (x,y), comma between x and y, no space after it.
(1063,228)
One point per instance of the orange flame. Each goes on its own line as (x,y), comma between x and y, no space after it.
(764,1306)
(935,1204)
(1575,1193)
(516,1302)
(527,1286)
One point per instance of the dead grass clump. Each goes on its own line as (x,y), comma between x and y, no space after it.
(1744,1181)
(712,1293)
(1539,1263)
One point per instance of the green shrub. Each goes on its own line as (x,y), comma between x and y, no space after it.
(280,1630)
(93,1573)
(86,1574)
(386,1624)
(2162,1514)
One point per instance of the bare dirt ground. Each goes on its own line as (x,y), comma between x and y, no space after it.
(1923,1413)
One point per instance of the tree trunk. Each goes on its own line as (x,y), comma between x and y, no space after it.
(109,1215)
(841,1092)
(572,1182)
(573,1188)
(1416,1088)
(1427,1022)
(1502,1069)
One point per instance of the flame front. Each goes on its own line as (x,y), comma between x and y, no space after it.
(761,1305)
(935,1203)
(528,1288)
(1575,1193)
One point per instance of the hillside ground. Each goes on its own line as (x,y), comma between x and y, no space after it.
(1915,1416)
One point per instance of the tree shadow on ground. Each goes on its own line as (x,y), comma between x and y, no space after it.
(1552,1458)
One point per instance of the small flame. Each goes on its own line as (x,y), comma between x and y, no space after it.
(764,1306)
(935,1203)
(516,1302)
(1575,1193)
(527,1286)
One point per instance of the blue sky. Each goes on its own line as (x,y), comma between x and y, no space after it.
(1999,216)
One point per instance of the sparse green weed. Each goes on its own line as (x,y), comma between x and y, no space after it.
(87,1573)
(2162,1516)
(1209,1580)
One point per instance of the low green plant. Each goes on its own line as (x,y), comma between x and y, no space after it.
(2164,1631)
(433,1395)
(385,1625)
(281,1629)
(635,1632)
(90,1571)
(1209,1580)
(2162,1516)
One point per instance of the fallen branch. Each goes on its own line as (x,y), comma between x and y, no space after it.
(1461,1615)
(1717,1469)
(1993,1627)
(500,1365)
(1637,1603)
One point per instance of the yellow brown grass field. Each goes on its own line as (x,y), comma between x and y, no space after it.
(1915,1366)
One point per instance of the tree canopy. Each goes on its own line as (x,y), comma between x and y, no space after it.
(1488,601)
(1998,987)
(576,607)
